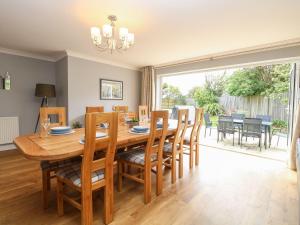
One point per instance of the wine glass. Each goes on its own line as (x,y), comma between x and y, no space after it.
(125,118)
(45,124)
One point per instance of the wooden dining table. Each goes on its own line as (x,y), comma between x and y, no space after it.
(62,147)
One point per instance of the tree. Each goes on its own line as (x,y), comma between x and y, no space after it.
(245,82)
(215,84)
(171,96)
(279,84)
(204,96)
(192,91)
(271,81)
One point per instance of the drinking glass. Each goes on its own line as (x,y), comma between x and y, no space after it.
(44,127)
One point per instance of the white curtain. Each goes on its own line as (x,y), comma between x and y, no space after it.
(148,88)
(294,111)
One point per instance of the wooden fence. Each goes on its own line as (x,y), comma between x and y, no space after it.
(255,105)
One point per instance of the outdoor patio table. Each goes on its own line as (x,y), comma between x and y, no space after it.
(267,127)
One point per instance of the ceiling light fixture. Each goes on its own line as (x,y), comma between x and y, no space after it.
(108,40)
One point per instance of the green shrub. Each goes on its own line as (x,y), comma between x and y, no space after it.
(213,109)
(279,124)
(204,96)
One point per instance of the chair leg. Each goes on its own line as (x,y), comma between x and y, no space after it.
(87,206)
(45,183)
(218,137)
(191,156)
(120,176)
(277,141)
(205,132)
(108,201)
(180,164)
(173,168)
(59,197)
(260,144)
(147,184)
(159,177)
(233,139)
(209,131)
(241,141)
(197,154)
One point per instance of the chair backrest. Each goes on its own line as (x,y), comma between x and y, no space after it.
(59,112)
(206,118)
(238,116)
(225,123)
(91,109)
(143,112)
(195,134)
(265,118)
(120,108)
(157,135)
(252,125)
(183,117)
(107,144)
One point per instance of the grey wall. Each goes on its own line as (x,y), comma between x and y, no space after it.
(84,86)
(20,100)
(243,59)
(61,70)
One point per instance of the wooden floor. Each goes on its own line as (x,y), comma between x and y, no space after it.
(226,189)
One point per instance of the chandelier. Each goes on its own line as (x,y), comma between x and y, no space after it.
(109,40)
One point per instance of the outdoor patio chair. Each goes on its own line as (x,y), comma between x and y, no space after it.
(252,127)
(238,116)
(174,114)
(265,118)
(208,123)
(226,126)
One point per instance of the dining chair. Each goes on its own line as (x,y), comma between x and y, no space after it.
(174,146)
(143,112)
(145,158)
(192,138)
(252,127)
(49,168)
(90,109)
(93,173)
(208,123)
(120,108)
(58,112)
(226,126)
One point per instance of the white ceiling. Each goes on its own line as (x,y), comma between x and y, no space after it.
(165,30)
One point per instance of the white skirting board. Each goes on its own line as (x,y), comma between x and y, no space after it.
(7,147)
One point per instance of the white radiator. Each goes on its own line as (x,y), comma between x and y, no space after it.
(9,129)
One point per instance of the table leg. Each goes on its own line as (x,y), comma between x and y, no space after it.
(270,136)
(266,137)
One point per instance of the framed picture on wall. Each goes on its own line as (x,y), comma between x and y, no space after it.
(111,89)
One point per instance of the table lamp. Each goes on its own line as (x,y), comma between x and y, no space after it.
(45,91)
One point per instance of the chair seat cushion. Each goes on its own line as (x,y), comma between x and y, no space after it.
(136,156)
(168,147)
(73,173)
(54,165)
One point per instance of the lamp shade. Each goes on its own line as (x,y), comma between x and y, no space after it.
(45,90)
